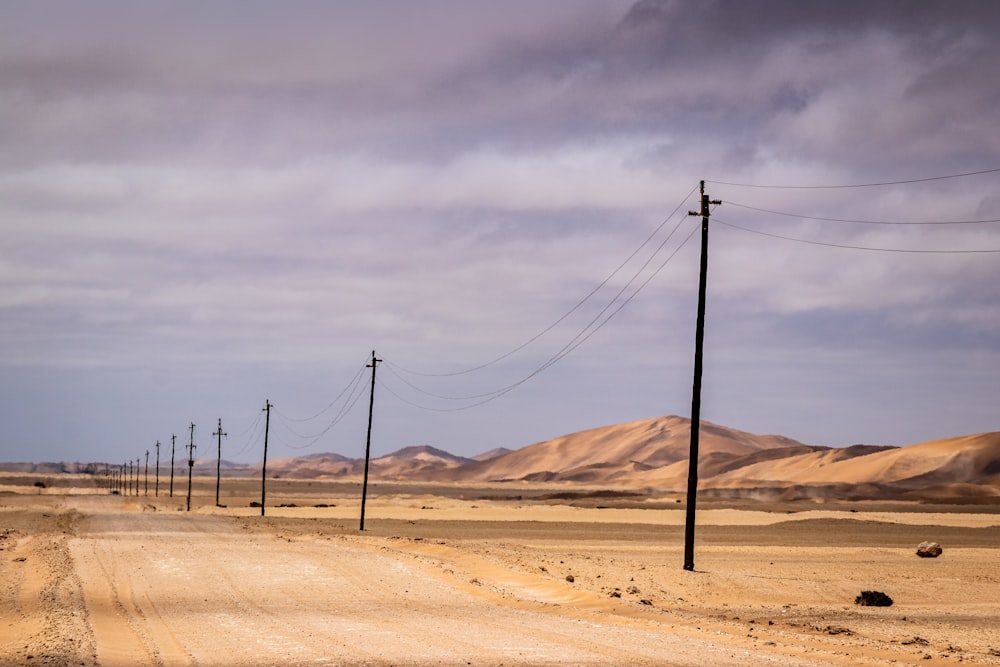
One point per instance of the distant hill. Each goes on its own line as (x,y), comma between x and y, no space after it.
(653,454)
(492,454)
(613,453)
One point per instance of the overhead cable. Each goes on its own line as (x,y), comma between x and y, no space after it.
(331,404)
(729,202)
(571,310)
(855,247)
(856,185)
(569,347)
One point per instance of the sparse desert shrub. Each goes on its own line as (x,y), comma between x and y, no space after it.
(40,484)
(873,599)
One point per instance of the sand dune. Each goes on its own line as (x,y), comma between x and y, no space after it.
(610,452)
(652,455)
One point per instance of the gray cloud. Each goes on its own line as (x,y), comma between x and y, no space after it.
(246,185)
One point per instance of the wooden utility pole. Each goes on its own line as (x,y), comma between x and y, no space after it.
(368,442)
(173,444)
(263,468)
(218,463)
(699,341)
(157,487)
(128,477)
(137,475)
(190,466)
(145,482)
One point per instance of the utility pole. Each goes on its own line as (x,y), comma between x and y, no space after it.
(137,475)
(368,442)
(699,342)
(263,468)
(190,466)
(157,488)
(218,463)
(127,477)
(173,443)
(145,489)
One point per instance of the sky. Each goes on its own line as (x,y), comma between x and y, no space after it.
(207,206)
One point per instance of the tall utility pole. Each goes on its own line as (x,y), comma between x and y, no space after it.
(145,489)
(368,442)
(137,475)
(699,342)
(190,466)
(218,463)
(263,468)
(173,444)
(157,488)
(128,479)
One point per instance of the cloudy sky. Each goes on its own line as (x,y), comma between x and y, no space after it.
(209,205)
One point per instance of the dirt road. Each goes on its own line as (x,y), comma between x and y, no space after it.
(99,581)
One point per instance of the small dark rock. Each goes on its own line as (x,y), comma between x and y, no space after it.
(873,599)
(570,578)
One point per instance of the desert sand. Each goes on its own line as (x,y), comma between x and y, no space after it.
(505,574)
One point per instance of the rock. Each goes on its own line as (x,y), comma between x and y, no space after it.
(873,599)
(929,549)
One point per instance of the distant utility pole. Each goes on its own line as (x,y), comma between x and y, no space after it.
(145,482)
(137,475)
(173,443)
(218,463)
(190,466)
(368,442)
(128,477)
(263,468)
(157,488)
(699,341)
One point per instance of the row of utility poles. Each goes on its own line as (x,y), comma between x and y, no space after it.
(119,480)
(125,479)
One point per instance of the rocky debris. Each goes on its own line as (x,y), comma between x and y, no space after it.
(929,549)
(570,578)
(916,641)
(873,599)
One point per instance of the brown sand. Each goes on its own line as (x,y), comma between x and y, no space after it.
(459,576)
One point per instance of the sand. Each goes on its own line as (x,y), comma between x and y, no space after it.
(483,576)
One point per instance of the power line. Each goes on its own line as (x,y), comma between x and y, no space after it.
(331,404)
(862,222)
(856,247)
(569,347)
(253,430)
(349,404)
(576,306)
(856,185)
